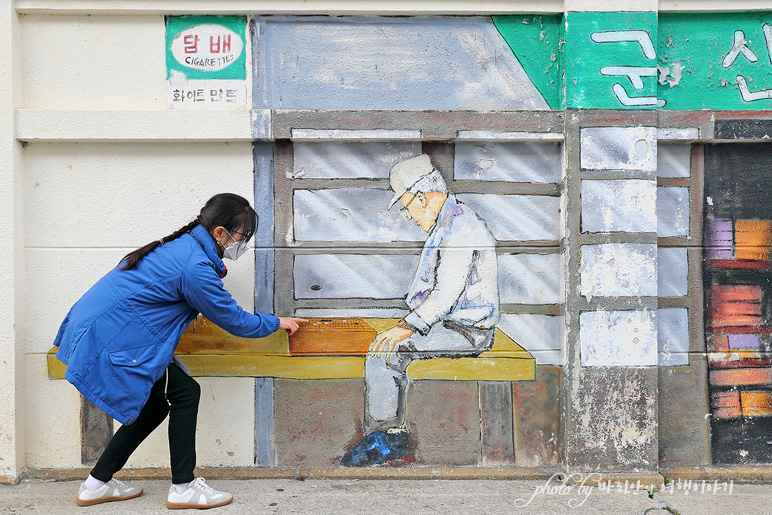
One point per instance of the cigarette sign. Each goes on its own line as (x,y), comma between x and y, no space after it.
(206,61)
(207,47)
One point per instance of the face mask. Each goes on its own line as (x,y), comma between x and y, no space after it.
(236,249)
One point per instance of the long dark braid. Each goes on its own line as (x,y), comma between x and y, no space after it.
(224,209)
(131,259)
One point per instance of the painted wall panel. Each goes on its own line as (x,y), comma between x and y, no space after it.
(337,276)
(412,63)
(618,269)
(531,278)
(349,160)
(540,335)
(517,217)
(673,336)
(672,272)
(672,212)
(619,206)
(619,148)
(511,162)
(673,160)
(348,214)
(618,338)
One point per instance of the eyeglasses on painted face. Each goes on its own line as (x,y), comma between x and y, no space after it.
(404,212)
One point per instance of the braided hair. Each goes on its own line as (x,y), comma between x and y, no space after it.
(224,209)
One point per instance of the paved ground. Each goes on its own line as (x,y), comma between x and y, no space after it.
(384,496)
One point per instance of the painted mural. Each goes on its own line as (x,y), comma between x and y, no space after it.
(517,240)
(738,237)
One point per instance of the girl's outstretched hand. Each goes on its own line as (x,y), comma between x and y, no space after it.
(290,324)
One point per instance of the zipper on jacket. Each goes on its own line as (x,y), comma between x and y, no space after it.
(166,387)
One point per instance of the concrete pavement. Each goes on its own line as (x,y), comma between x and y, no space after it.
(386,496)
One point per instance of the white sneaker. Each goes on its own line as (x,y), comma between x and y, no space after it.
(198,495)
(113,490)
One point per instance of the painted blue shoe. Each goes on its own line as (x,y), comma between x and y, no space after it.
(376,448)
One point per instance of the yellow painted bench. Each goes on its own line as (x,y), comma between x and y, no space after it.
(208,350)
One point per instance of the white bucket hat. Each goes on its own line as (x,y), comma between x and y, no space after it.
(405,174)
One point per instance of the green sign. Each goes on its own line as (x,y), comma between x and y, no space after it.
(610,60)
(206,47)
(715,61)
(535,41)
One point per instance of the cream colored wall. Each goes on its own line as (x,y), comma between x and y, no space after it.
(89,201)
(107,168)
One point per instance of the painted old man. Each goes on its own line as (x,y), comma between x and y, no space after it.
(453,302)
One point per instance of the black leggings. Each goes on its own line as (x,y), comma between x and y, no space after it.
(183,393)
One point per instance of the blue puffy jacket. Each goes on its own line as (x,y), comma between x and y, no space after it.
(118,339)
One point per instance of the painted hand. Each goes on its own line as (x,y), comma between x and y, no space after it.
(386,341)
(290,324)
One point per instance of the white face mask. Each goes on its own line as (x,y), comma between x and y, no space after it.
(236,249)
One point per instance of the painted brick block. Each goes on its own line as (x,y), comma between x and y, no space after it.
(444,422)
(537,418)
(618,338)
(612,424)
(618,269)
(735,305)
(672,272)
(497,440)
(540,335)
(683,409)
(673,336)
(619,206)
(719,238)
(753,239)
(672,212)
(316,420)
(619,148)
(741,376)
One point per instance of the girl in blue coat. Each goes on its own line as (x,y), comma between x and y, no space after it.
(118,343)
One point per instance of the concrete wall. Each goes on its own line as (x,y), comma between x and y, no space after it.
(600,250)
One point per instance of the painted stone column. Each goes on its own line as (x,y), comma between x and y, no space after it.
(610,381)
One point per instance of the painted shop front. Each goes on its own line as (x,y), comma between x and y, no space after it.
(613,169)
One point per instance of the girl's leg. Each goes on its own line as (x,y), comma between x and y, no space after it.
(127,438)
(183,393)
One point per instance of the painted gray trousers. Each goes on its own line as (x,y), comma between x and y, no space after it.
(386,379)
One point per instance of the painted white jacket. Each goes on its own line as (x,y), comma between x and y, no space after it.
(457,275)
